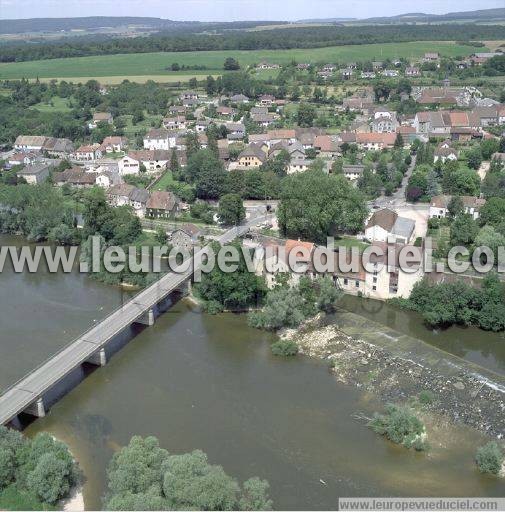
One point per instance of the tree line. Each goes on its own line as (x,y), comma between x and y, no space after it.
(275,39)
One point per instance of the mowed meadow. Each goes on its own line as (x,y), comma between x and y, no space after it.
(156,66)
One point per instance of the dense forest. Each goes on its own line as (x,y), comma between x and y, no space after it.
(285,38)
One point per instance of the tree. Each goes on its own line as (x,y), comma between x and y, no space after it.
(464,229)
(315,205)
(399,141)
(210,85)
(488,147)
(231,64)
(455,206)
(489,237)
(50,480)
(400,425)
(136,468)
(255,495)
(206,171)
(231,290)
(191,482)
(192,144)
(306,115)
(231,210)
(490,458)
(328,295)
(493,212)
(474,158)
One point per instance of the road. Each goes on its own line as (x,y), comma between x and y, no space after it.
(34,385)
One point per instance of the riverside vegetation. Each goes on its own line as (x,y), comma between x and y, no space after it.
(34,474)
(144,476)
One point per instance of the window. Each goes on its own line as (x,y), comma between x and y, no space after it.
(357,284)
(374,287)
(346,281)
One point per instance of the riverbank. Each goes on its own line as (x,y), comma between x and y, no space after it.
(399,368)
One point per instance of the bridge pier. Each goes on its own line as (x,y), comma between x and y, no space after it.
(36,409)
(146,318)
(98,358)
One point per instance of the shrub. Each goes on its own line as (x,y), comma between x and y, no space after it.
(284,348)
(426,397)
(490,458)
(400,425)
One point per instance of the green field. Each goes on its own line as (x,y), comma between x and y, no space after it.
(152,65)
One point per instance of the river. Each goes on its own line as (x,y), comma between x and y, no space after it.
(210,382)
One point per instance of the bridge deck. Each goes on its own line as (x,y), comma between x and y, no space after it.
(33,386)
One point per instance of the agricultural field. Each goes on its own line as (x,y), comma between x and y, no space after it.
(145,66)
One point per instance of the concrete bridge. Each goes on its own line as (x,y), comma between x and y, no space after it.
(28,395)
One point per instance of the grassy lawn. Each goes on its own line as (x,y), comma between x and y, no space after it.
(165,180)
(12,499)
(57,105)
(351,242)
(132,130)
(153,65)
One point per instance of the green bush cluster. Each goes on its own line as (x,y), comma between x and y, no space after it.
(42,467)
(490,458)
(143,476)
(401,426)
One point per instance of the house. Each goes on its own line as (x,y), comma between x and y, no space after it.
(377,65)
(303,66)
(375,141)
(258,110)
(76,177)
(298,165)
(390,73)
(282,134)
(387,278)
(264,120)
(159,138)
(252,156)
(88,152)
(188,95)
(386,225)
(353,172)
(267,65)
(329,68)
(439,206)
(114,144)
(186,237)
(224,111)
(236,131)
(118,195)
(106,179)
(100,117)
(239,98)
(128,195)
(23,158)
(326,146)
(174,123)
(431,57)
(412,71)
(368,75)
(155,160)
(202,125)
(30,142)
(384,121)
(444,152)
(177,110)
(137,199)
(162,205)
(266,100)
(36,173)
(325,75)
(346,73)
(58,147)
(272,259)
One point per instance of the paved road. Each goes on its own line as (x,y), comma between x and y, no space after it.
(25,392)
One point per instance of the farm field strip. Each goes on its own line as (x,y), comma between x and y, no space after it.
(153,65)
